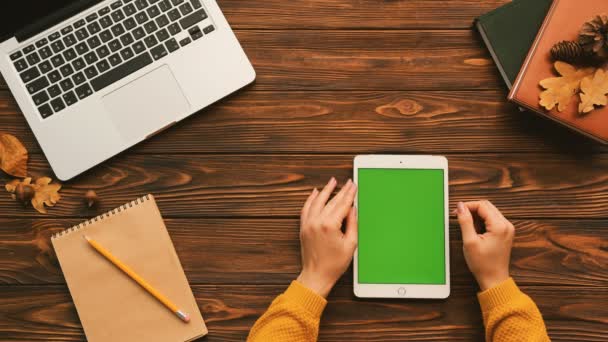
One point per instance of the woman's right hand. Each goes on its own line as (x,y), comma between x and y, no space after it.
(488,252)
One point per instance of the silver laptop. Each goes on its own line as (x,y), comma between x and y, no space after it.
(95,77)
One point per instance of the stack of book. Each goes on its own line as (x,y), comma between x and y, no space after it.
(520,35)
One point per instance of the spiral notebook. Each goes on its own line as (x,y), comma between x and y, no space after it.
(111,306)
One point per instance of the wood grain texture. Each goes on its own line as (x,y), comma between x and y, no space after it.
(336,78)
(350,122)
(522,185)
(353,14)
(368,60)
(262,251)
(47,313)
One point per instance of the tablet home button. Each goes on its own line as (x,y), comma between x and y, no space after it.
(401,291)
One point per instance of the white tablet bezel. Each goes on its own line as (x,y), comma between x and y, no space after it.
(405,290)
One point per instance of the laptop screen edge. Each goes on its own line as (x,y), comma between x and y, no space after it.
(30,29)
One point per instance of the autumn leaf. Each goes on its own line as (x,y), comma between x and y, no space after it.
(593,91)
(560,90)
(13,156)
(45,193)
(12,185)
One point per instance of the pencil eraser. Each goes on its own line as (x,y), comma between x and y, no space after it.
(184,316)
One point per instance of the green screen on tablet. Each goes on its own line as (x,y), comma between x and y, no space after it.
(401,226)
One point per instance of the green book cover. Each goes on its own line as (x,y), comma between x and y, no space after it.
(509,31)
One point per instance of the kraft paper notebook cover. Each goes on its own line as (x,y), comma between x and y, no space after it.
(113,307)
(509,31)
(563,22)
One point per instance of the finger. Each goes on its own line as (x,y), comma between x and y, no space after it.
(505,223)
(483,209)
(319,203)
(309,200)
(491,216)
(351,234)
(467,225)
(345,204)
(339,196)
(495,210)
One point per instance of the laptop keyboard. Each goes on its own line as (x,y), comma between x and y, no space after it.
(94,52)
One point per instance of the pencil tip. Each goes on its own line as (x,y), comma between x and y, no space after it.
(86,238)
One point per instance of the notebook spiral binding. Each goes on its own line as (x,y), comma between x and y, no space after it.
(101,217)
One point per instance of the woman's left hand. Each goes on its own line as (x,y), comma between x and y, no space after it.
(326,251)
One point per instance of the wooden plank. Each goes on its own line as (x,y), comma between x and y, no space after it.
(337,14)
(47,313)
(522,185)
(253,251)
(350,122)
(369,60)
(365,60)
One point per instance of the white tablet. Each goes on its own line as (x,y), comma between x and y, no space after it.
(402,206)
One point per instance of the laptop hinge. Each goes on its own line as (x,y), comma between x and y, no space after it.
(54,18)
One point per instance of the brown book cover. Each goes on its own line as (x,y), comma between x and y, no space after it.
(563,22)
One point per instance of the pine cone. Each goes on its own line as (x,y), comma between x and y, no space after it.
(568,51)
(593,35)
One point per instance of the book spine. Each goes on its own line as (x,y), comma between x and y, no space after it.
(513,94)
(484,36)
(102,217)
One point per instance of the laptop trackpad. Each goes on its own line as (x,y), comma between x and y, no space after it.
(147,104)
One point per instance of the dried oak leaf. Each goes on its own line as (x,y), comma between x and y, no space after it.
(593,91)
(46,194)
(560,90)
(13,156)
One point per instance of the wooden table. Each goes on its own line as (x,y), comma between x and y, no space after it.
(336,78)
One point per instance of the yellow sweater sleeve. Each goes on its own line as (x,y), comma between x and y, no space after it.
(510,315)
(292,316)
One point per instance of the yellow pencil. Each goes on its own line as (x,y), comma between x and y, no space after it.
(182,315)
